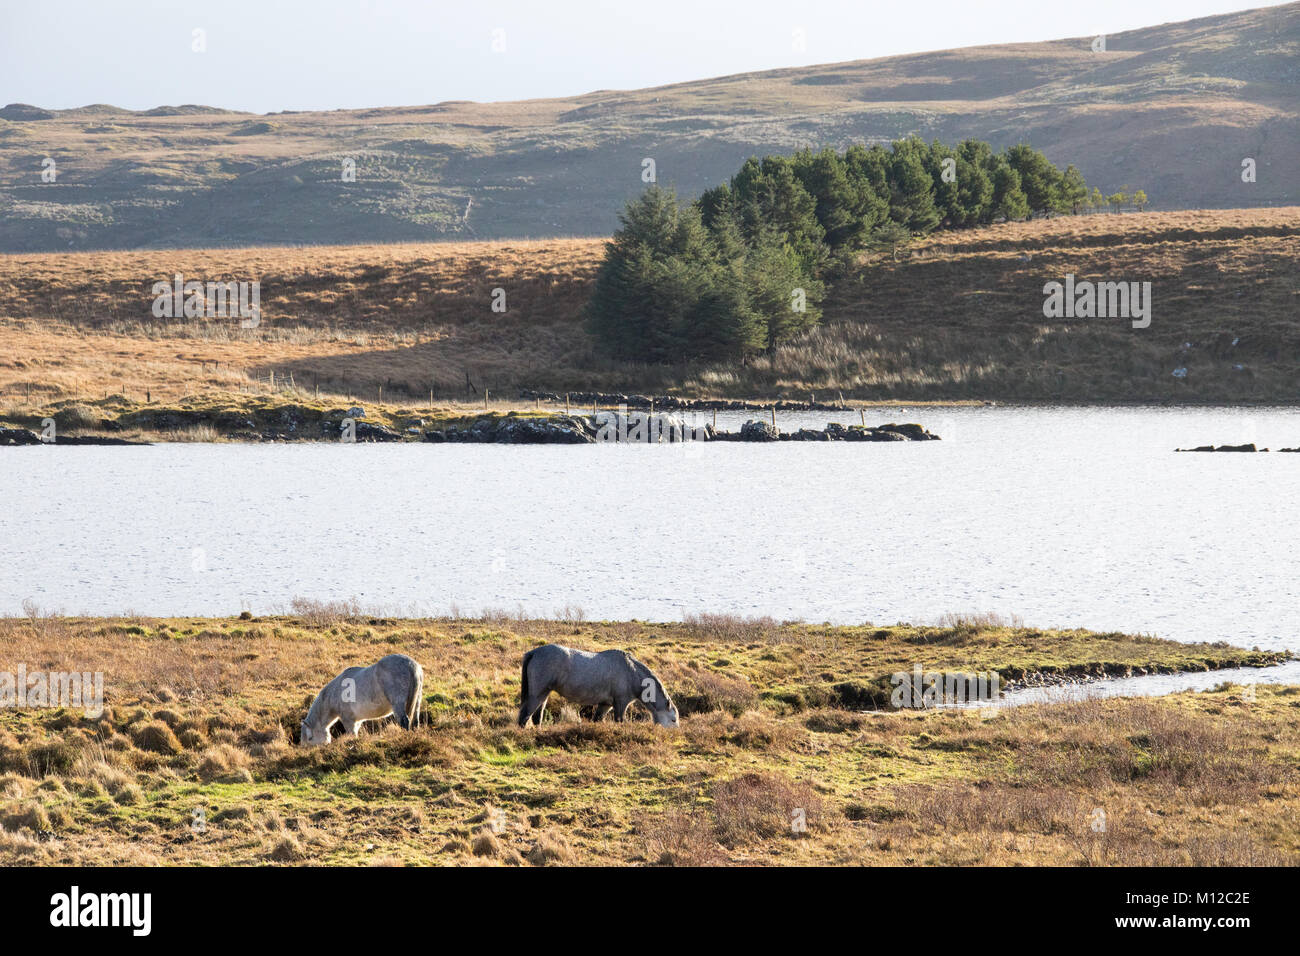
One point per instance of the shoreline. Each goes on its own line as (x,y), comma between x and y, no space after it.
(236,417)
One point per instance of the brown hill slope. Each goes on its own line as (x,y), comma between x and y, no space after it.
(1172,109)
(959,318)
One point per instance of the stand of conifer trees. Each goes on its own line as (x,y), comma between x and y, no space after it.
(743,268)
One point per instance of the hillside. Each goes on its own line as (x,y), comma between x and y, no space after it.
(959,317)
(1172,109)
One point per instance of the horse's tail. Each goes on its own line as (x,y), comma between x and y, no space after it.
(414,694)
(523,688)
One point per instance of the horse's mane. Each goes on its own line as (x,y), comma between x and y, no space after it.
(316,707)
(643,672)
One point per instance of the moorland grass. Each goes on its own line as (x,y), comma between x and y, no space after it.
(193,759)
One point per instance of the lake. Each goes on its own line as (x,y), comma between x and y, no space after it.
(1057,517)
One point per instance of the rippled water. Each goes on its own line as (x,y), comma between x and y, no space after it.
(1056,516)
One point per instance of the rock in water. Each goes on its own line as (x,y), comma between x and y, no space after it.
(18,436)
(759,431)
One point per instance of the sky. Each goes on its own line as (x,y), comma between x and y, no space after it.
(269,55)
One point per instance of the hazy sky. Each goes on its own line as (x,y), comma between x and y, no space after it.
(265,55)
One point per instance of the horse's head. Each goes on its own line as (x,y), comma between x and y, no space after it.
(311,737)
(654,697)
(667,717)
(664,710)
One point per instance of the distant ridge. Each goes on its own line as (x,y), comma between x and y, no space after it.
(1172,109)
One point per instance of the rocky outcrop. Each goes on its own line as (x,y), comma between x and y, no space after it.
(671,403)
(640,427)
(759,431)
(508,430)
(631,427)
(18,436)
(911,432)
(365,431)
(834,431)
(297,423)
(23,436)
(1248,447)
(95,440)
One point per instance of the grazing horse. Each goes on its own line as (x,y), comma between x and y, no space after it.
(393,685)
(607,680)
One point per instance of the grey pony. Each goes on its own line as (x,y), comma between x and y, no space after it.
(393,685)
(604,680)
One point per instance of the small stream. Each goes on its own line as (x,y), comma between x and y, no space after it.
(1147,685)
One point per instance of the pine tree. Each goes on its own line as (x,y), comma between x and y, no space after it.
(946,188)
(1040,181)
(889,236)
(656,269)
(974,183)
(723,326)
(768,195)
(839,203)
(1009,200)
(1074,191)
(911,189)
(782,297)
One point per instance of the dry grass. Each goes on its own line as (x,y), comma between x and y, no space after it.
(960,319)
(193,761)
(344,320)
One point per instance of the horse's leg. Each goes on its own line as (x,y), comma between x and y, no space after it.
(349,727)
(540,712)
(601,710)
(399,710)
(620,707)
(529,709)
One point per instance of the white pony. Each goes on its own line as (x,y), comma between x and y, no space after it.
(609,680)
(393,685)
